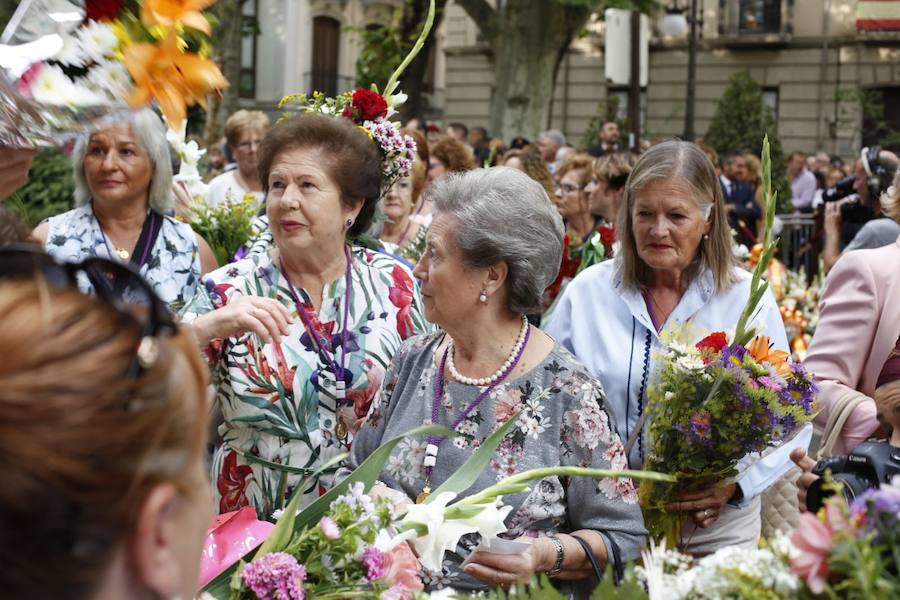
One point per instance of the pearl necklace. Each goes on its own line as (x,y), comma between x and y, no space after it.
(483,381)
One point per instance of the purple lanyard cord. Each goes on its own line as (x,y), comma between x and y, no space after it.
(313,334)
(439,388)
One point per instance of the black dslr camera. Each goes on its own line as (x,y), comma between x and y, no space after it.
(840,190)
(868,466)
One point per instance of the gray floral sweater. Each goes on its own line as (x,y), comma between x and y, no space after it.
(564,420)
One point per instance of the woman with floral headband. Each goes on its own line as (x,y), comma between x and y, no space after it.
(402,234)
(299,333)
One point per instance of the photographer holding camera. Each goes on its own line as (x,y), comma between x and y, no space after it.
(871,463)
(852,222)
(855,346)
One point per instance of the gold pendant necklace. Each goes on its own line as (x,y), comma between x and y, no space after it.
(123,253)
(423,495)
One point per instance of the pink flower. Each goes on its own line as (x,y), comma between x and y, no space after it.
(275,575)
(813,539)
(401,570)
(508,405)
(329,528)
(589,425)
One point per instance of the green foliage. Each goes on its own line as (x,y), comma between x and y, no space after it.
(226,227)
(876,129)
(49,190)
(741,122)
(382,49)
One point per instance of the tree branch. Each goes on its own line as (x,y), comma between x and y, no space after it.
(484,16)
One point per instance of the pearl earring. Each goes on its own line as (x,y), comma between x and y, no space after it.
(706,237)
(483,297)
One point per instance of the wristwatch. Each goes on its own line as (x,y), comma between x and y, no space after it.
(560,553)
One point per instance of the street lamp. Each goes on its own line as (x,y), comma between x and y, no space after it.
(674,24)
(677,26)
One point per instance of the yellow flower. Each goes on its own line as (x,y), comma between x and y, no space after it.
(174,77)
(171,13)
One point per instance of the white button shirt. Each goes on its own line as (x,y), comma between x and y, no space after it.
(607,326)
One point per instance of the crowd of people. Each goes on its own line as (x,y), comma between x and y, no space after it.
(528,279)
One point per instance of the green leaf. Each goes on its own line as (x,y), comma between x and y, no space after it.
(467,474)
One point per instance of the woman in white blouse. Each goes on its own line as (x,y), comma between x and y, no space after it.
(675,265)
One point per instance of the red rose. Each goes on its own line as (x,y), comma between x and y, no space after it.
(608,237)
(712,344)
(367,105)
(102,10)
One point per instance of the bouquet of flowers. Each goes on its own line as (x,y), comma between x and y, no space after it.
(227,226)
(122,55)
(718,400)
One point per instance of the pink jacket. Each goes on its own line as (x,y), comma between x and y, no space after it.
(859,323)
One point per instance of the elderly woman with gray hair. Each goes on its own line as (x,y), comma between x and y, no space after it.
(123,192)
(495,243)
(674,267)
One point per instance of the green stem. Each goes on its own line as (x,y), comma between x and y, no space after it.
(489,494)
(395,76)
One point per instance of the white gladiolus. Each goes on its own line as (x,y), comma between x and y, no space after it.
(443,534)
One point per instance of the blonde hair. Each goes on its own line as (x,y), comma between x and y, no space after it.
(890,199)
(575,163)
(614,168)
(244,120)
(688,163)
(80,444)
(533,166)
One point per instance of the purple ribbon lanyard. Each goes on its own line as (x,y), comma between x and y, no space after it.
(439,388)
(340,384)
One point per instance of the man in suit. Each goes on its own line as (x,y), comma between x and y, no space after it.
(740,198)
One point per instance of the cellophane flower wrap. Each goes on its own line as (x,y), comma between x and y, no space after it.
(718,399)
(56,84)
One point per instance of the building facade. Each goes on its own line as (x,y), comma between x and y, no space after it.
(830,69)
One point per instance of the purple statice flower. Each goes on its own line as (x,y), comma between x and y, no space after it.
(373,559)
(698,428)
(275,576)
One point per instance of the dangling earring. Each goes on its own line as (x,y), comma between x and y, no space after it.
(348,224)
(483,297)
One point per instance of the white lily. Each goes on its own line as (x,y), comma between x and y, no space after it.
(442,535)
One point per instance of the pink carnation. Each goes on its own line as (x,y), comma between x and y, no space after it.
(275,576)
(401,570)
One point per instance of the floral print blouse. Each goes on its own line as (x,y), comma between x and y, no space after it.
(172,266)
(281,415)
(564,420)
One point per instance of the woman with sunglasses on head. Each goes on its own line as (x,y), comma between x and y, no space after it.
(105,490)
(299,334)
(123,189)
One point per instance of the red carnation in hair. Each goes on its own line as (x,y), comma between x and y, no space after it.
(102,10)
(365,105)
(712,344)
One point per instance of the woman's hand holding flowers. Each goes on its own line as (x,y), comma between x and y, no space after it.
(506,569)
(704,505)
(266,317)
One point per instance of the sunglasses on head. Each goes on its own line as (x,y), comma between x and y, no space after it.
(118,284)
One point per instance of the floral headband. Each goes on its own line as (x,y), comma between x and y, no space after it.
(370,111)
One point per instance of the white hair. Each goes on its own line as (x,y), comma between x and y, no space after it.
(505,216)
(150,134)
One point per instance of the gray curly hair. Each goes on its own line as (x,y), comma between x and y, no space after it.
(505,216)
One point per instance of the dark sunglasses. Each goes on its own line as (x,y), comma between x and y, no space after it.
(118,284)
